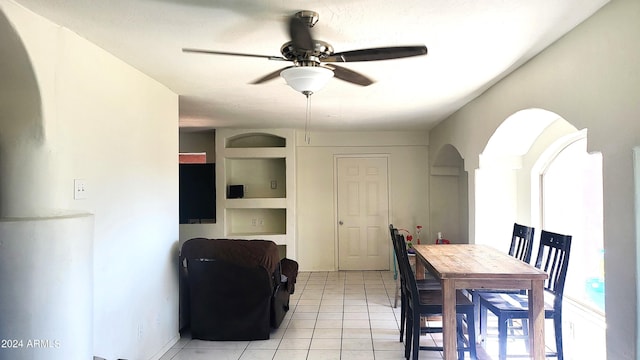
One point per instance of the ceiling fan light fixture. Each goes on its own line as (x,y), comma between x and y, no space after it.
(307,79)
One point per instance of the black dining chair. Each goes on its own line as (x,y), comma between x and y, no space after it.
(423,284)
(521,247)
(553,258)
(521,242)
(428,303)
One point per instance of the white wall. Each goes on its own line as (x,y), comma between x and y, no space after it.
(591,78)
(46,268)
(316,219)
(107,123)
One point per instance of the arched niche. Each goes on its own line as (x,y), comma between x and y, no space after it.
(255,140)
(448,199)
(23,163)
(46,258)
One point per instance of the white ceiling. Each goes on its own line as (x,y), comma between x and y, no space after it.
(471,44)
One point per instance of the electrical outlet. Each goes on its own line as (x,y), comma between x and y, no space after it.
(261,222)
(274,184)
(572,330)
(80,189)
(254,222)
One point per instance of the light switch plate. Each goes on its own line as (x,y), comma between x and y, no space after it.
(80,189)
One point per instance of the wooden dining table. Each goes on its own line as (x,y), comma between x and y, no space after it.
(468,266)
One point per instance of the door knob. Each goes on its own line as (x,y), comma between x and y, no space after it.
(340,222)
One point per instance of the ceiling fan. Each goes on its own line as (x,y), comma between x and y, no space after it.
(314,60)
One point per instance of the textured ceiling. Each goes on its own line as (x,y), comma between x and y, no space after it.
(471,43)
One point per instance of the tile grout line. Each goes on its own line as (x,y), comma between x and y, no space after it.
(324,287)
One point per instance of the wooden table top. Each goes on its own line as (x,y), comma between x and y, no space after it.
(470,261)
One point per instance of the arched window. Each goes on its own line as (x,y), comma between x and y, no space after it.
(571,203)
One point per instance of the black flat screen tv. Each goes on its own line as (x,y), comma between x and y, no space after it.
(197,193)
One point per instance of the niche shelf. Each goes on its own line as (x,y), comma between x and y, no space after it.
(256,221)
(261,177)
(262,162)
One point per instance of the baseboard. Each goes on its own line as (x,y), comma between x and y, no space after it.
(166,347)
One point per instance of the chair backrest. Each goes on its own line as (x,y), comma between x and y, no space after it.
(397,250)
(393,232)
(553,258)
(400,249)
(521,242)
(406,274)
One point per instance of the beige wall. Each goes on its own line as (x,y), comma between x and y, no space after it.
(591,78)
(105,122)
(200,141)
(315,238)
(316,217)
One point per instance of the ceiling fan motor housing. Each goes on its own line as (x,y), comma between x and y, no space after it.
(321,50)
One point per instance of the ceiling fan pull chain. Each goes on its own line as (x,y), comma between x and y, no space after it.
(307,135)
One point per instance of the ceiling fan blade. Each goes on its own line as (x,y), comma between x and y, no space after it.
(385,53)
(270,76)
(350,75)
(300,34)
(201,51)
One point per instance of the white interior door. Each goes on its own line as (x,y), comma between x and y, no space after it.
(363,213)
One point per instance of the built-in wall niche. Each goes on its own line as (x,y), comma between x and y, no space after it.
(261,177)
(257,166)
(258,221)
(256,140)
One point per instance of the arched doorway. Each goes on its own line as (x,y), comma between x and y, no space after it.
(534,171)
(503,182)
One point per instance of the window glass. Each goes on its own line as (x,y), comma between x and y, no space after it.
(572,204)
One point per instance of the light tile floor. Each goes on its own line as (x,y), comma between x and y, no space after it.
(345,315)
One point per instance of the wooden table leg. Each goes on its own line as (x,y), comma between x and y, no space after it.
(449,319)
(536,320)
(419,269)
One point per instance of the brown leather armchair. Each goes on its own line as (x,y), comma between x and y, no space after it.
(233,289)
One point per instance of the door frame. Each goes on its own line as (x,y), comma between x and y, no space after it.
(336,242)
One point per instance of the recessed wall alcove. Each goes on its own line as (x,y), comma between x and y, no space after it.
(449,207)
(46,254)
